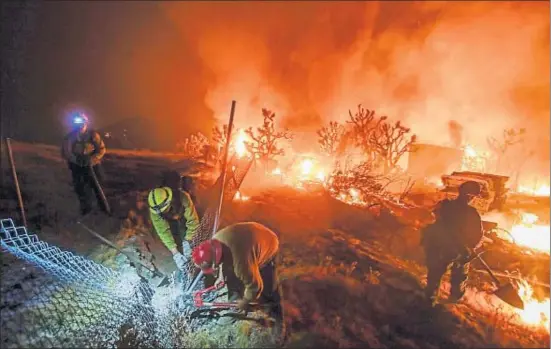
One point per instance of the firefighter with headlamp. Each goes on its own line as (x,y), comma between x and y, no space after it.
(83,149)
(173,214)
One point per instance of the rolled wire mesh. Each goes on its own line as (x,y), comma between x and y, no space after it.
(65,300)
(54,298)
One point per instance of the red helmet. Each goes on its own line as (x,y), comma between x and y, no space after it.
(207,255)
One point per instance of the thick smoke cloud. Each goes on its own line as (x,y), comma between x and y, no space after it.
(484,65)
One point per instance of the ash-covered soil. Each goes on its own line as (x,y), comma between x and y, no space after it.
(351,278)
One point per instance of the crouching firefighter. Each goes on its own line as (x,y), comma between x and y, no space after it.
(173,215)
(450,241)
(83,149)
(245,254)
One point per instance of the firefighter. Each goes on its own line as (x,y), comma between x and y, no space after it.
(173,214)
(83,149)
(245,255)
(450,241)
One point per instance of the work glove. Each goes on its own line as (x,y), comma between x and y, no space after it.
(186,249)
(243,306)
(180,260)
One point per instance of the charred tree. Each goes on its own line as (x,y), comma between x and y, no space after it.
(264,142)
(391,142)
(330,138)
(500,147)
(193,146)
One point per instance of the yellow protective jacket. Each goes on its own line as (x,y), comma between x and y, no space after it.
(187,224)
(83,149)
(252,245)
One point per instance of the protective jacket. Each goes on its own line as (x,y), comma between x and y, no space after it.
(83,149)
(457,225)
(186,224)
(252,246)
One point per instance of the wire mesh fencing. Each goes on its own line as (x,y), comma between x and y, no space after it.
(235,174)
(54,298)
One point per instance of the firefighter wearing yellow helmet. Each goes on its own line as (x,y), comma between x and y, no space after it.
(173,214)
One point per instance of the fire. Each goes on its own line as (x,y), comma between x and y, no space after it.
(473,160)
(240,148)
(240,197)
(306,167)
(320,176)
(535,313)
(276,171)
(532,235)
(542,190)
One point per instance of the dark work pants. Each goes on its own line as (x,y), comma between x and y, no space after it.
(85,187)
(270,293)
(438,264)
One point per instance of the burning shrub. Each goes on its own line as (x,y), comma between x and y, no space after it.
(382,142)
(264,143)
(330,138)
(193,146)
(500,147)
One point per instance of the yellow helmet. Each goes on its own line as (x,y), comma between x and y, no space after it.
(159,199)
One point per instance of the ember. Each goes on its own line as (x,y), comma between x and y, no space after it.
(240,197)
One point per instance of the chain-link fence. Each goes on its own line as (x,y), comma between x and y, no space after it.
(54,298)
(235,174)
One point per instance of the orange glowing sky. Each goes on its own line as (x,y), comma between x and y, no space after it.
(484,65)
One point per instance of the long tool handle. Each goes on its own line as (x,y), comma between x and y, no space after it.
(224,170)
(110,244)
(16,180)
(489,270)
(100,189)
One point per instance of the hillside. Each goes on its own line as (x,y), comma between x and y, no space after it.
(351,277)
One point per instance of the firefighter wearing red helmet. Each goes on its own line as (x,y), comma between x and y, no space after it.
(246,254)
(450,240)
(83,149)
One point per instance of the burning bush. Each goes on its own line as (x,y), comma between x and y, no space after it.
(264,143)
(330,138)
(193,145)
(382,142)
(237,141)
(500,147)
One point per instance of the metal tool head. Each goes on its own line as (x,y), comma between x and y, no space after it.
(509,295)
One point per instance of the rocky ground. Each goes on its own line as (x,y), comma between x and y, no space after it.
(350,277)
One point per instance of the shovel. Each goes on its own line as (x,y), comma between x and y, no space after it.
(507,292)
(164,281)
(100,190)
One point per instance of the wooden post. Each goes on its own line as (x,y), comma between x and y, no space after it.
(15,179)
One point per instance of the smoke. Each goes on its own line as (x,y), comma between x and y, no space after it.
(434,65)
(456,133)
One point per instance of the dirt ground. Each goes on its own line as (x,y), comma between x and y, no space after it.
(350,278)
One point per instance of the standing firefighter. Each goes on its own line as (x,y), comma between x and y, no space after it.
(83,149)
(246,255)
(173,215)
(451,239)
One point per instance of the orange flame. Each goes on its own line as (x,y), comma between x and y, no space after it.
(542,190)
(530,234)
(240,197)
(239,147)
(535,313)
